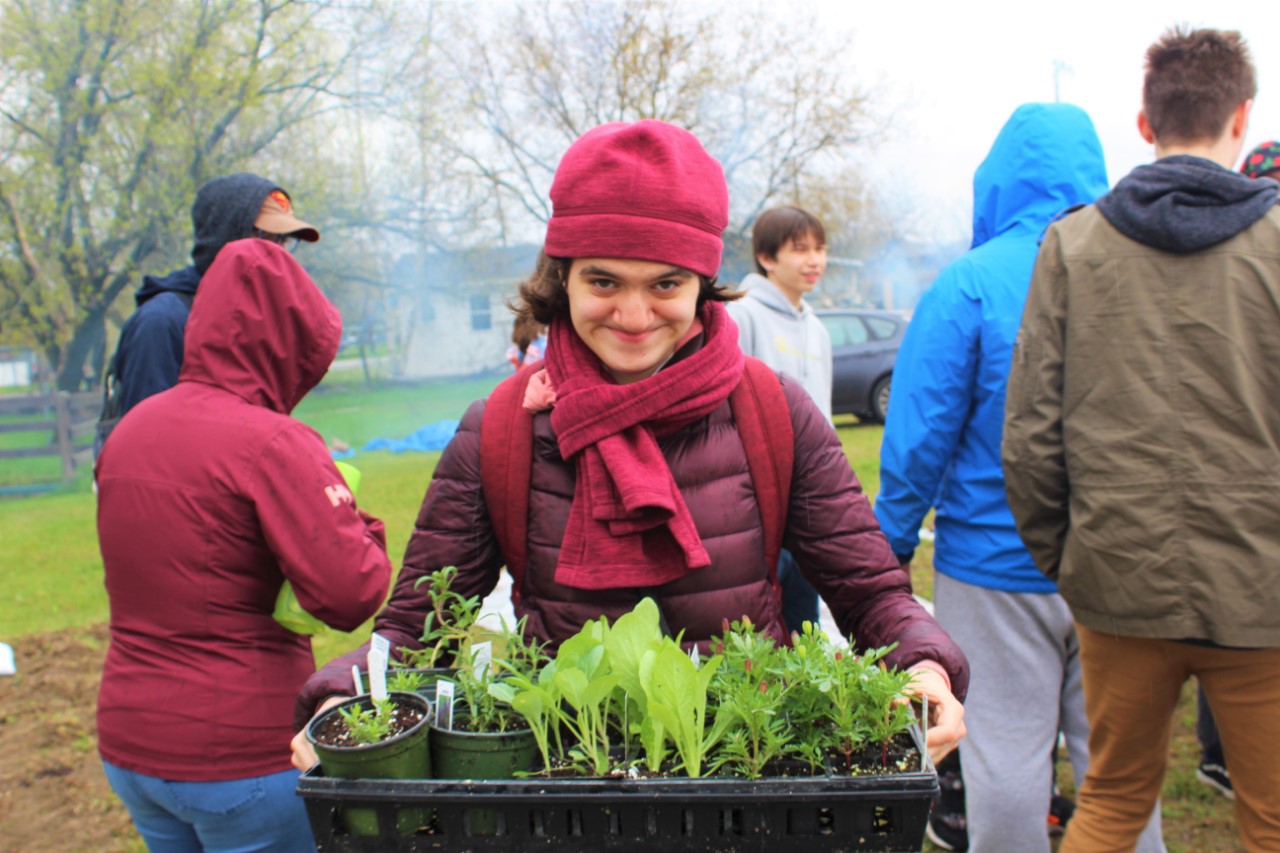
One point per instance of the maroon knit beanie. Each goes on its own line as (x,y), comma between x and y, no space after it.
(647,191)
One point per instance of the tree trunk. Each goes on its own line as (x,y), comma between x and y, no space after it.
(89,335)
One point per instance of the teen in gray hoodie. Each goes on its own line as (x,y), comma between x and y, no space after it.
(778,327)
(775,324)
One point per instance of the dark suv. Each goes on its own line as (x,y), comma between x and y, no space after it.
(864,346)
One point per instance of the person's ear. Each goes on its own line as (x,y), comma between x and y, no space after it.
(765,262)
(1240,119)
(1144,128)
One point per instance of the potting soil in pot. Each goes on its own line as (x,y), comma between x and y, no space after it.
(332,731)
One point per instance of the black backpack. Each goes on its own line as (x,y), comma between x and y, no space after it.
(112,396)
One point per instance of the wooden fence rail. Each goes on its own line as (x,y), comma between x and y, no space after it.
(69,419)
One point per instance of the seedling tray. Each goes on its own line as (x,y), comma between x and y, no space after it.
(812,814)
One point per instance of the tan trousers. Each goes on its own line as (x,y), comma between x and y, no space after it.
(1131,687)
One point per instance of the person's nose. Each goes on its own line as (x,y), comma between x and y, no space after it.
(634,313)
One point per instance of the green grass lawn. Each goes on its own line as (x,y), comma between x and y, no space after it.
(354,414)
(48,543)
(53,575)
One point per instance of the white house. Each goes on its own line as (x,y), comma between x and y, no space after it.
(457,322)
(17,367)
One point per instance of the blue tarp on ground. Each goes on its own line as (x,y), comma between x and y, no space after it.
(430,437)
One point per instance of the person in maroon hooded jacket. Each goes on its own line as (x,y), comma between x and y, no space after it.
(210,497)
(640,482)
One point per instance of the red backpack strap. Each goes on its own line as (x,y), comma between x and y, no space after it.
(763,419)
(506,463)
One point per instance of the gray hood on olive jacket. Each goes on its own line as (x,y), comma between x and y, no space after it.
(1185,204)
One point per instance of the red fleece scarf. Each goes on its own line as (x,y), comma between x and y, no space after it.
(628,525)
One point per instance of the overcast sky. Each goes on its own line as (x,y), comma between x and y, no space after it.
(949,74)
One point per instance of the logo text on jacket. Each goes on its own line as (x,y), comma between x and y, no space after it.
(339,494)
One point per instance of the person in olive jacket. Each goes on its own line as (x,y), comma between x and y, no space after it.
(640,483)
(210,498)
(1142,444)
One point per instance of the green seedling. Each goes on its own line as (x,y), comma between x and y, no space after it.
(750,695)
(369,725)
(676,692)
(449,625)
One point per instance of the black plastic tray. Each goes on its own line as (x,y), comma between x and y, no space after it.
(816,814)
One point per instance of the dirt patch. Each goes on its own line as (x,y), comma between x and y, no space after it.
(53,794)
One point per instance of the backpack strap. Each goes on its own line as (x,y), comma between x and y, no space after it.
(506,465)
(760,412)
(763,418)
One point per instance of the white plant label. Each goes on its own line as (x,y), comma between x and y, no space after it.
(355,679)
(481,660)
(693,656)
(924,727)
(380,644)
(377,658)
(378,677)
(444,704)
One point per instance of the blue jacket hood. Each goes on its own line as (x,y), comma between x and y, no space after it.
(941,445)
(184,280)
(1047,158)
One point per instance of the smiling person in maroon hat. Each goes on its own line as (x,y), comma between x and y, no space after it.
(618,468)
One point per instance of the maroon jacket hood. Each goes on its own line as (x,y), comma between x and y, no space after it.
(259,327)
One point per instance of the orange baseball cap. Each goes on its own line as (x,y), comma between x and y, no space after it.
(276,217)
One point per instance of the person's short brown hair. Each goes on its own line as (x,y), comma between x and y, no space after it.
(777,226)
(542,295)
(1194,80)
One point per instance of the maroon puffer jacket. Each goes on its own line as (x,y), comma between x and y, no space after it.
(831,531)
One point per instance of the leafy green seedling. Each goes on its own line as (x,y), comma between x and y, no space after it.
(750,699)
(448,626)
(583,680)
(676,692)
(369,725)
(634,635)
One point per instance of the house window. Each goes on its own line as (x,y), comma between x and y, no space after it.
(481,315)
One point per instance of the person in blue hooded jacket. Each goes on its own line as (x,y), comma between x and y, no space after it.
(148,356)
(941,450)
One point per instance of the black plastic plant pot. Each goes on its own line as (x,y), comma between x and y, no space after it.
(825,813)
(404,756)
(460,754)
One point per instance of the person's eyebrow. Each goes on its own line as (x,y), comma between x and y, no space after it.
(674,272)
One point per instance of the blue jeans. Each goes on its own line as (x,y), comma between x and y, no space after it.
(799,599)
(261,813)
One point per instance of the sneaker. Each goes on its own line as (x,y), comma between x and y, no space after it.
(946,827)
(1060,811)
(947,830)
(1216,777)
